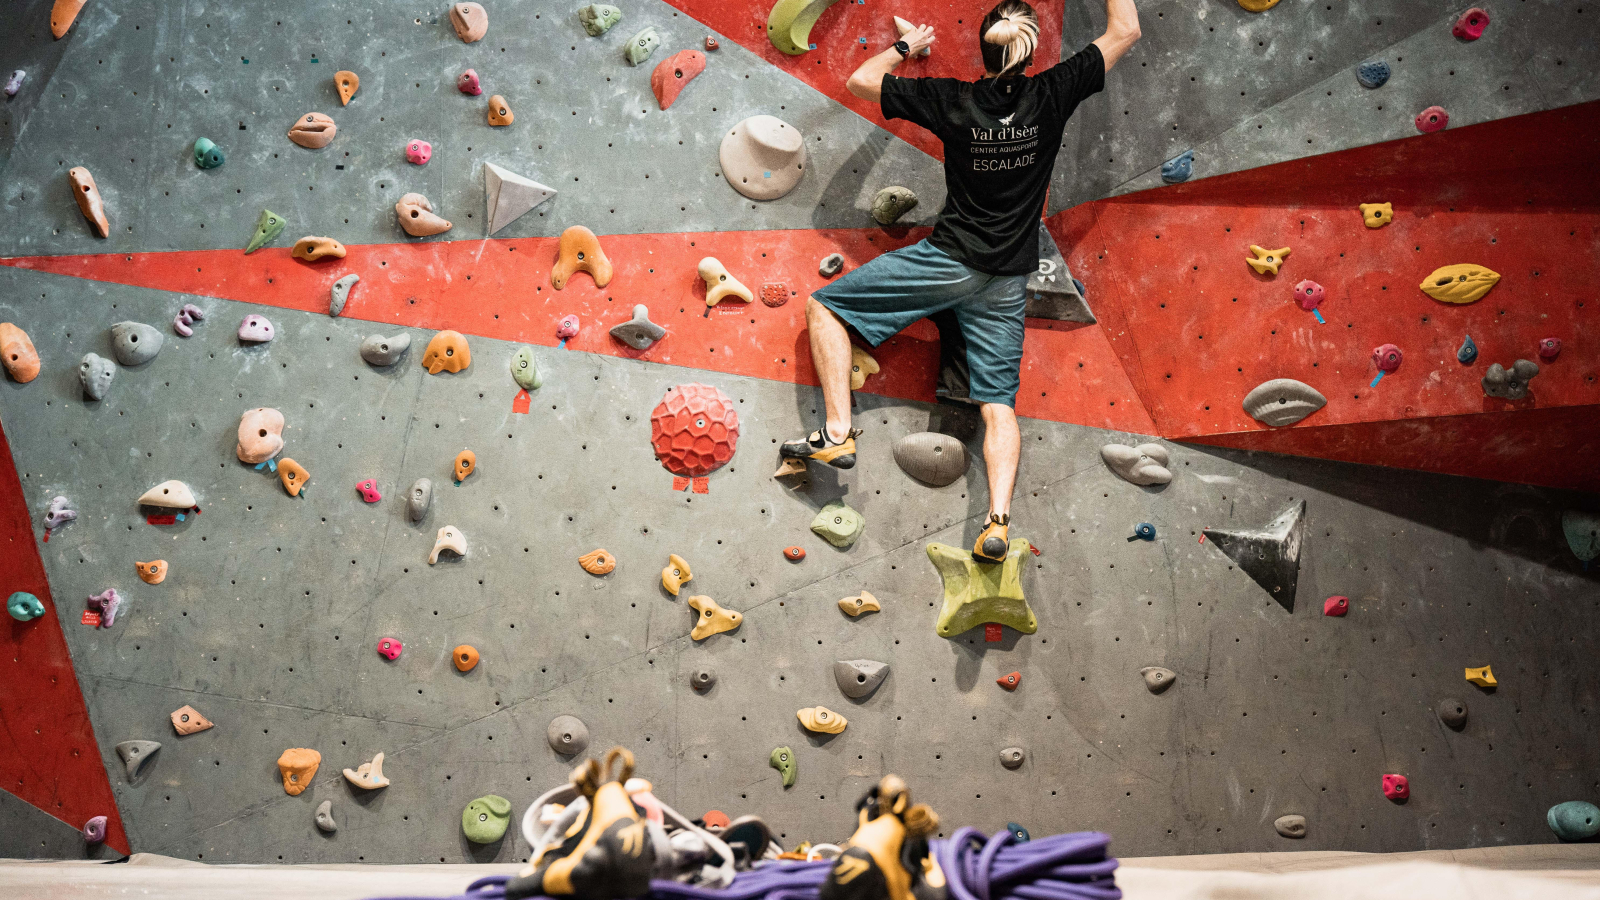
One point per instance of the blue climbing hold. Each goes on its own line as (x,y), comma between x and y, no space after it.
(1018,833)
(1574,820)
(1468,351)
(1145,532)
(24,606)
(207,155)
(1178,168)
(1374,74)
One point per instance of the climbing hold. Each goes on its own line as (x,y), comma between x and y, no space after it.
(821,720)
(598,562)
(1549,348)
(1574,820)
(298,766)
(1463,283)
(713,619)
(485,819)
(260,435)
(1483,676)
(1271,555)
(567,328)
(293,475)
(794,554)
(14,83)
(467,83)
(465,657)
(24,606)
(59,513)
(859,677)
(861,603)
(1453,713)
(207,155)
(1291,826)
(470,20)
(890,203)
(782,759)
(675,574)
(567,735)
(1373,74)
(838,524)
(466,463)
(312,248)
(418,218)
(580,251)
(1309,295)
(862,365)
(18,355)
(1051,291)
(1282,401)
(977,593)
(500,111)
(1582,531)
(94,830)
(1377,215)
(702,679)
(135,754)
(510,195)
(346,83)
(598,18)
(1019,835)
(369,490)
(1158,679)
(790,21)
(1144,531)
(694,431)
(152,572)
(1386,357)
(390,648)
(1337,605)
(419,498)
(1470,25)
(763,157)
(169,494)
(255,330)
(106,603)
(641,45)
(313,131)
(378,350)
(1396,787)
(447,352)
(931,458)
(831,265)
(1143,465)
(1257,6)
(341,293)
(448,539)
(324,817)
(711,43)
(1009,682)
(183,322)
(1509,384)
(1432,119)
(87,193)
(790,467)
(774,293)
(62,15)
(674,73)
(719,284)
(268,226)
(1266,262)
(1012,757)
(639,332)
(1179,168)
(1468,351)
(904,27)
(418,152)
(368,775)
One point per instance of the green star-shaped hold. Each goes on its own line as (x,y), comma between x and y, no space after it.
(975,593)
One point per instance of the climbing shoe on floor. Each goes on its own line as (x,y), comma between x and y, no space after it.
(610,859)
(819,446)
(992,544)
(888,857)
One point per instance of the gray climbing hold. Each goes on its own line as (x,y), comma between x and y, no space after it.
(702,679)
(838,524)
(639,332)
(1158,679)
(378,350)
(419,498)
(325,817)
(831,265)
(1574,820)
(1291,826)
(1283,401)
(1179,168)
(889,204)
(96,372)
(1468,352)
(1143,465)
(1052,291)
(341,293)
(597,18)
(1271,555)
(859,677)
(931,458)
(641,45)
(135,343)
(1373,74)
(1509,384)
(135,754)
(567,735)
(510,195)
(1453,713)
(1012,757)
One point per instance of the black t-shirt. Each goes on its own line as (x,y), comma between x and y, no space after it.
(1000,142)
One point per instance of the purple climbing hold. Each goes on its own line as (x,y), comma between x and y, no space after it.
(1386,357)
(14,83)
(106,604)
(1549,348)
(183,323)
(59,513)
(94,830)
(255,329)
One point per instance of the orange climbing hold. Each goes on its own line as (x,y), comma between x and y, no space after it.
(21,360)
(1009,682)
(598,562)
(87,193)
(293,475)
(500,111)
(674,73)
(447,352)
(347,83)
(465,657)
(187,720)
(62,15)
(466,464)
(312,248)
(298,766)
(152,572)
(580,251)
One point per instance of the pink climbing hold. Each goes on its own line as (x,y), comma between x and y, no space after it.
(105,604)
(1470,26)
(467,83)
(1386,358)
(568,328)
(1432,119)
(1309,294)
(255,329)
(1396,787)
(369,490)
(389,648)
(1336,606)
(94,830)
(183,323)
(1549,348)
(418,152)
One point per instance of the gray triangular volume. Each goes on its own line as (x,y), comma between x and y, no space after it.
(1052,291)
(510,195)
(134,756)
(1270,556)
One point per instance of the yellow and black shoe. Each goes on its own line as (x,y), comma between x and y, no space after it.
(995,540)
(820,447)
(888,857)
(610,858)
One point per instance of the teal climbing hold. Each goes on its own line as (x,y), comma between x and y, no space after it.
(1583,534)
(485,819)
(207,155)
(838,524)
(1468,352)
(268,227)
(24,606)
(597,18)
(1574,820)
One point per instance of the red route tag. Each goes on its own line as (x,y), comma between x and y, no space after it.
(991,632)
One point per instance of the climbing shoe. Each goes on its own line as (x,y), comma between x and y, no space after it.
(610,858)
(992,544)
(888,857)
(819,446)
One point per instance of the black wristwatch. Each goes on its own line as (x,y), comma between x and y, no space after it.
(904,48)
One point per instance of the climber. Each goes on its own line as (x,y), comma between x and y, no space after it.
(1001,135)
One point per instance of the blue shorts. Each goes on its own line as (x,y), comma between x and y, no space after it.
(883,297)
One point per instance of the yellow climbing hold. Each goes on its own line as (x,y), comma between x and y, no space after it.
(861,365)
(675,574)
(713,618)
(863,602)
(1266,262)
(1482,677)
(1377,215)
(975,594)
(1462,284)
(1257,6)
(789,23)
(822,719)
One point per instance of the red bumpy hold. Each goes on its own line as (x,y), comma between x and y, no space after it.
(694,430)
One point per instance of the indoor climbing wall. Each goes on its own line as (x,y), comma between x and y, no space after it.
(273,608)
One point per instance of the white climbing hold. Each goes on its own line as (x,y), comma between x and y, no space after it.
(1145,464)
(170,495)
(368,775)
(450,538)
(510,195)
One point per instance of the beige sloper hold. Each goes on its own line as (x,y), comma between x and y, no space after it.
(368,775)
(449,538)
(822,720)
(418,218)
(863,602)
(87,193)
(168,495)
(470,20)
(675,574)
(260,435)
(905,28)
(713,618)
(313,131)
(719,284)
(187,720)
(862,365)
(298,765)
